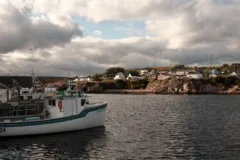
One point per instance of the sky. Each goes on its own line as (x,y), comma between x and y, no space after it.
(84,37)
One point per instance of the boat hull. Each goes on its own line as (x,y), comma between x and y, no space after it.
(88,118)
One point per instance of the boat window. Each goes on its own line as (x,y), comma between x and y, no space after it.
(49,102)
(21,97)
(83,101)
(29,97)
(53,102)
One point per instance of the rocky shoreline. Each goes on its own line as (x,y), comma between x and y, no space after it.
(168,86)
(191,86)
(127,91)
(137,91)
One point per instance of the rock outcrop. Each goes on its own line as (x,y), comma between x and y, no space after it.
(190,86)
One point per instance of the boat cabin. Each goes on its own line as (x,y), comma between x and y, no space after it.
(69,103)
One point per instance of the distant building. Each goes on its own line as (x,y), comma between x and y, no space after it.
(81,79)
(163,76)
(119,75)
(170,73)
(214,71)
(134,77)
(162,72)
(194,75)
(212,76)
(76,80)
(84,79)
(236,66)
(153,71)
(181,73)
(143,72)
(234,74)
(179,76)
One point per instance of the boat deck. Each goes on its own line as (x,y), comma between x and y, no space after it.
(20,112)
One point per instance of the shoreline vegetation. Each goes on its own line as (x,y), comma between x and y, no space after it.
(219,85)
(179,79)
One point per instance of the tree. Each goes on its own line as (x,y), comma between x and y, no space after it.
(132,72)
(137,84)
(206,73)
(178,66)
(96,77)
(111,72)
(225,65)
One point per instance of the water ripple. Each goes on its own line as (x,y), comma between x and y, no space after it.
(144,127)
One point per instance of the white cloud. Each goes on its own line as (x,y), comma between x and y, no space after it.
(182,23)
(89,55)
(184,32)
(86,55)
(97,33)
(131,31)
(19,30)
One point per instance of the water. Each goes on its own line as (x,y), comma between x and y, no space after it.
(145,127)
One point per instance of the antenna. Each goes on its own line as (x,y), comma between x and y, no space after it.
(211,61)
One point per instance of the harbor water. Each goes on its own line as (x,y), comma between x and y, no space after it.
(144,127)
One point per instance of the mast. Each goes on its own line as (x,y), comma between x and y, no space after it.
(35,81)
(33,78)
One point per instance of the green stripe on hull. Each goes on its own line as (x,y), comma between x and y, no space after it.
(81,115)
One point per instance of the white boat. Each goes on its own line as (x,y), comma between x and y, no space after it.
(59,112)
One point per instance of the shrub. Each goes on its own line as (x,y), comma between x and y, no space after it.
(138,84)
(96,77)
(120,84)
(231,80)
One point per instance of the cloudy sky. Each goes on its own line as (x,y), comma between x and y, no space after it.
(83,37)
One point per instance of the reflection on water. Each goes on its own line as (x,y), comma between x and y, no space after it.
(145,127)
(53,146)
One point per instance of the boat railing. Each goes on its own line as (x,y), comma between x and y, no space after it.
(22,110)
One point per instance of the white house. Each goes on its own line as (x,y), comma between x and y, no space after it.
(194,75)
(134,77)
(143,71)
(234,74)
(76,80)
(181,73)
(119,75)
(214,71)
(212,76)
(84,79)
(170,73)
(163,76)
(162,72)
